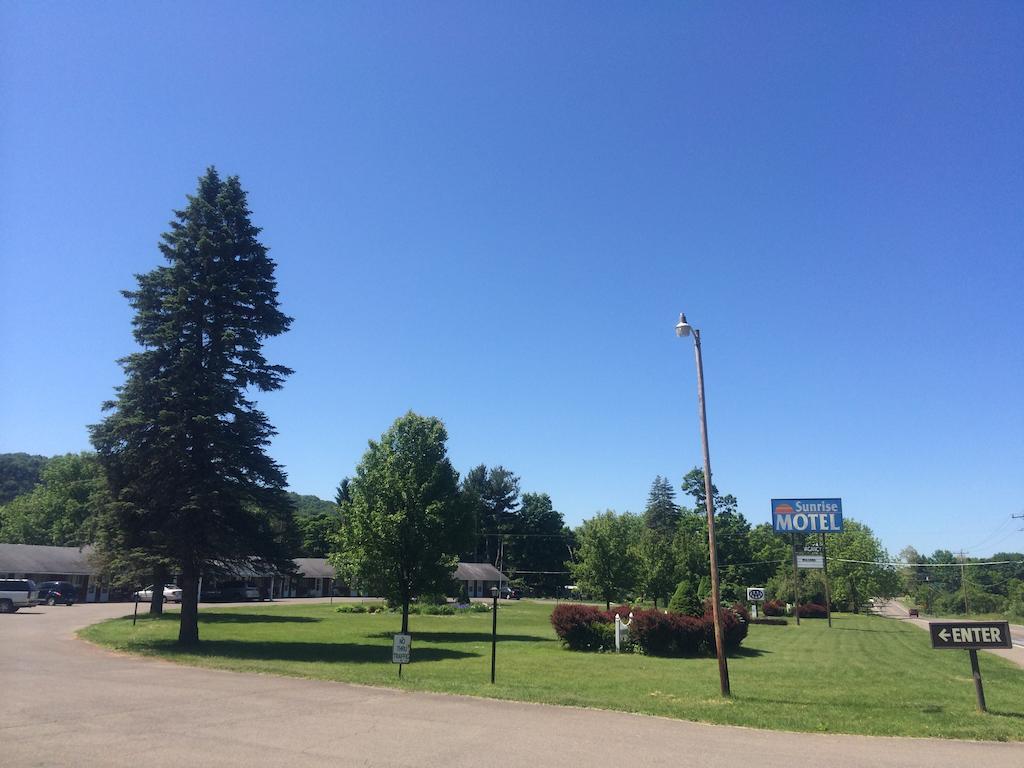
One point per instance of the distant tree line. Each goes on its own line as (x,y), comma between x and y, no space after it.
(664,552)
(945,583)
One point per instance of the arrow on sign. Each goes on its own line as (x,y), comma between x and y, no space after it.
(944,634)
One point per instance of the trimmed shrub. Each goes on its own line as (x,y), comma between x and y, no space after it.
(684,600)
(463,597)
(622,610)
(667,634)
(433,610)
(734,626)
(740,609)
(812,611)
(704,588)
(770,622)
(580,626)
(774,608)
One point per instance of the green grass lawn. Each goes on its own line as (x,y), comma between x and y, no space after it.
(866,675)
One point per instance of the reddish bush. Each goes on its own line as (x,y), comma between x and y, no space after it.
(622,610)
(813,611)
(774,608)
(581,627)
(734,627)
(667,634)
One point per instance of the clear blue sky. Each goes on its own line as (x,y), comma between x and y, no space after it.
(494,212)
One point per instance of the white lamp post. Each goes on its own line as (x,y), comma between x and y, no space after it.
(683,328)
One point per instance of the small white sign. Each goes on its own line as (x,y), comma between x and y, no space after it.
(401,649)
(755,594)
(814,562)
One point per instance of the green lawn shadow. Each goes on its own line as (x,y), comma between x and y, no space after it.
(213,617)
(466,637)
(252,618)
(746,652)
(329,653)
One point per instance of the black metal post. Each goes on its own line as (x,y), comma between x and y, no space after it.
(494,631)
(976,674)
(136,616)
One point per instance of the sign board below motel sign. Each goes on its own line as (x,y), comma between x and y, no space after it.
(812,562)
(970,634)
(807,515)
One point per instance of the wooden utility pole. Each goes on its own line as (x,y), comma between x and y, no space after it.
(709,503)
(796,583)
(963,583)
(683,329)
(824,565)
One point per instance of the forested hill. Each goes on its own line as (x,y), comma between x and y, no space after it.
(19,473)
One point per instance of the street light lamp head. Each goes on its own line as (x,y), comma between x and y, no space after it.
(682,327)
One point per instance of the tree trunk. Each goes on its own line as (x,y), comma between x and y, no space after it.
(607,605)
(405,616)
(156,602)
(188,629)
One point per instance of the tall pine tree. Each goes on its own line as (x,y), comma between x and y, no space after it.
(183,445)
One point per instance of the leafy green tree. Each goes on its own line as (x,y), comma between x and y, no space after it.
(406,521)
(852,583)
(19,473)
(685,600)
(657,570)
(691,546)
(606,562)
(318,521)
(493,499)
(184,448)
(770,551)
(693,485)
(60,510)
(539,543)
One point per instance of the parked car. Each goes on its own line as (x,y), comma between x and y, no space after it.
(230,591)
(172,594)
(53,592)
(510,593)
(17,593)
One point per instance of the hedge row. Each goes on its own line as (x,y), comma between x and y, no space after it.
(588,628)
(812,611)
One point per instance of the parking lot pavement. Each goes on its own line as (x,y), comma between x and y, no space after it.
(67,703)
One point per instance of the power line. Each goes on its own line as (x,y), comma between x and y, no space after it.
(926,565)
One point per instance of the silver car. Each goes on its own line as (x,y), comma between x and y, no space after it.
(172,594)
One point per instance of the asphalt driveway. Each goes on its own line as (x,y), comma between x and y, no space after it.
(67,703)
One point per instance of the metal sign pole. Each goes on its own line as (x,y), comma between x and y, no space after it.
(976,674)
(494,632)
(824,565)
(796,585)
